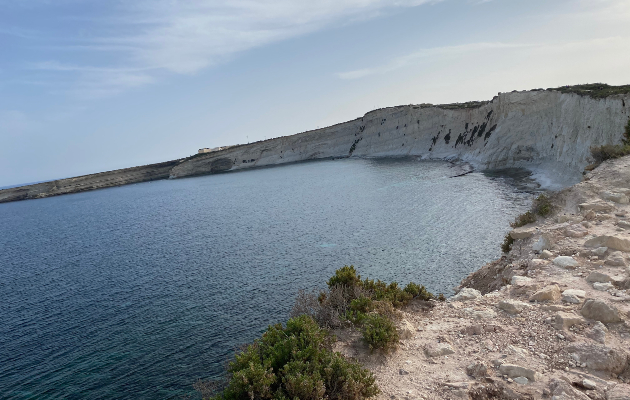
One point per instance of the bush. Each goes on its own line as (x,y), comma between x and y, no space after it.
(543,206)
(379,332)
(524,219)
(418,291)
(346,276)
(507,243)
(609,151)
(295,362)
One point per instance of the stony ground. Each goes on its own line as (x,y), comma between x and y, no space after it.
(549,320)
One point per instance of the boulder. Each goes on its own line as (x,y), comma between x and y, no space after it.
(466,294)
(546,254)
(615,197)
(544,242)
(597,276)
(597,205)
(616,259)
(602,287)
(600,251)
(513,306)
(565,262)
(599,357)
(574,296)
(438,349)
(477,370)
(514,371)
(406,330)
(563,390)
(599,310)
(565,320)
(597,333)
(612,242)
(522,233)
(548,293)
(575,231)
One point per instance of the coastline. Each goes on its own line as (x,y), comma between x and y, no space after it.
(540,130)
(551,319)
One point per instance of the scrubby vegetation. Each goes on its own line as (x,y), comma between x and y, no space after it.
(607,152)
(369,305)
(541,206)
(595,90)
(295,362)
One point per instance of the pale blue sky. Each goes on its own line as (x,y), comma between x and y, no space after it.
(88,85)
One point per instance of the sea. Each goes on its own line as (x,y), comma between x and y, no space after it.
(138,291)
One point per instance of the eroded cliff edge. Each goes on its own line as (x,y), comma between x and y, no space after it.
(537,129)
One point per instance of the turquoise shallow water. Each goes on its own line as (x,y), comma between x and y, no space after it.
(137,291)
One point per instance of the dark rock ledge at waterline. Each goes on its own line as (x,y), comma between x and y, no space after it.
(555,128)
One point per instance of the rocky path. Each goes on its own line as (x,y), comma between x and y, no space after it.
(549,320)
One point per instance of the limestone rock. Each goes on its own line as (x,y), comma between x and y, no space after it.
(623,224)
(562,390)
(546,254)
(406,330)
(520,280)
(522,233)
(599,357)
(615,197)
(513,306)
(574,296)
(589,384)
(597,276)
(466,294)
(575,231)
(597,205)
(565,320)
(602,287)
(612,242)
(438,349)
(616,259)
(600,251)
(477,370)
(599,310)
(544,242)
(521,380)
(548,293)
(565,262)
(480,314)
(597,333)
(514,371)
(619,392)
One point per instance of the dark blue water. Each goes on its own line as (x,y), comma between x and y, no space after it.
(140,290)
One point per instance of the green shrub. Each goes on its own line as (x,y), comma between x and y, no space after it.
(295,362)
(543,205)
(418,291)
(507,244)
(379,332)
(346,276)
(524,219)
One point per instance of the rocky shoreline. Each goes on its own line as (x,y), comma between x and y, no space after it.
(551,319)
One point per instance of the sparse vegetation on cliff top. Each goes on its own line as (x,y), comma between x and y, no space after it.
(595,90)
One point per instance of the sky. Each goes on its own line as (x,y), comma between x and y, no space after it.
(89,86)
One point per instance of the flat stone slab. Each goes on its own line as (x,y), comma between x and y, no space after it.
(612,242)
(565,262)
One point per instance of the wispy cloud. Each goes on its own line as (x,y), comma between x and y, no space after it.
(185,37)
(424,55)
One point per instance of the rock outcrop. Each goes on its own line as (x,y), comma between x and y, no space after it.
(546,130)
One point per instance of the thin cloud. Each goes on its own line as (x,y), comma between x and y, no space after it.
(425,55)
(167,36)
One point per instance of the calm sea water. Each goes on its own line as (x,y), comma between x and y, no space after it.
(138,291)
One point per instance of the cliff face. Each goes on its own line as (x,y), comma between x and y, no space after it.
(549,130)
(518,129)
